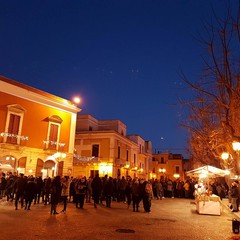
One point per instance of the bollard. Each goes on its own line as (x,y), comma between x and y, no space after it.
(235,225)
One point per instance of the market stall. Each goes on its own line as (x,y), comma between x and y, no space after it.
(5,167)
(206,202)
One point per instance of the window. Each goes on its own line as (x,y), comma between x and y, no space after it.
(53,136)
(177,169)
(13,128)
(95,150)
(13,125)
(162,159)
(134,158)
(127,155)
(119,152)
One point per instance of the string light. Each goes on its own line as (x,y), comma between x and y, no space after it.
(54,143)
(11,135)
(82,158)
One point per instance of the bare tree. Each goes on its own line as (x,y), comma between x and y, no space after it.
(214,119)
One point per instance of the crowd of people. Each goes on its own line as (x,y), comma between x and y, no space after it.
(27,190)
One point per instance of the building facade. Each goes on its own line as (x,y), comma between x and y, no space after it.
(102,146)
(167,165)
(37,131)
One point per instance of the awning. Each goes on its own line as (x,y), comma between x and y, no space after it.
(5,167)
(207,171)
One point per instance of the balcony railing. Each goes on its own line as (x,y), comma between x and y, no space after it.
(13,138)
(48,144)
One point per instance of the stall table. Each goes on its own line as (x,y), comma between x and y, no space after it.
(208,204)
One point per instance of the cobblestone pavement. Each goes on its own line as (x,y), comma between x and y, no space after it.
(171,219)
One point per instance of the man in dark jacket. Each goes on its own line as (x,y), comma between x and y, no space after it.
(96,189)
(109,189)
(3,185)
(19,185)
(30,192)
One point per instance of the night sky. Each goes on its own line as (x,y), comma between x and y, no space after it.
(123,57)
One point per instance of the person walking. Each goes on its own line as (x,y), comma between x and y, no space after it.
(96,189)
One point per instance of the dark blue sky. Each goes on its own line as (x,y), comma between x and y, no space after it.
(123,57)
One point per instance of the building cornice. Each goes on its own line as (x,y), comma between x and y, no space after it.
(21,90)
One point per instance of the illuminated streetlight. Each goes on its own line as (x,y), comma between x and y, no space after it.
(236,146)
(77,100)
(162,170)
(176,175)
(225,156)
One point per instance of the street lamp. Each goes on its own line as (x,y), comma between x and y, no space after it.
(76,100)
(225,156)
(162,170)
(236,146)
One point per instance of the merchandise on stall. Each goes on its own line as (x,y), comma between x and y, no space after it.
(206,202)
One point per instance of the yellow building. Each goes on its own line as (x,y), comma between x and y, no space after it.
(102,146)
(168,165)
(37,130)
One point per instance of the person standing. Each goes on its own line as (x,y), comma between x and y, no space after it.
(122,187)
(147,196)
(135,194)
(80,189)
(128,191)
(39,188)
(109,188)
(96,189)
(30,192)
(89,190)
(55,194)
(234,196)
(3,185)
(65,192)
(19,185)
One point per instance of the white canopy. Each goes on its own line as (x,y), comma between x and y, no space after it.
(5,167)
(207,171)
